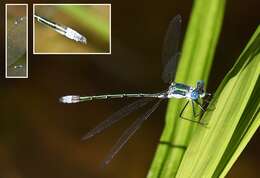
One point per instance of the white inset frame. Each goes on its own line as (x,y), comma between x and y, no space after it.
(26,53)
(72,53)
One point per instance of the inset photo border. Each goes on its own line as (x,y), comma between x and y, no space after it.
(16,40)
(71,28)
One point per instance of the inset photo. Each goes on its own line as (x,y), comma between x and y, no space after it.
(16,41)
(72,29)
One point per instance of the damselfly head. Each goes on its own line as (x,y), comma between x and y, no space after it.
(200,87)
(70,99)
(194,95)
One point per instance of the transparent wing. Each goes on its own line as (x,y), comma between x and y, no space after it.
(16,40)
(170,69)
(117,116)
(170,51)
(129,132)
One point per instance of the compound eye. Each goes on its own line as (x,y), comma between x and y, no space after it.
(194,95)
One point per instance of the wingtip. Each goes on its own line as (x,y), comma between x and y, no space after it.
(103,164)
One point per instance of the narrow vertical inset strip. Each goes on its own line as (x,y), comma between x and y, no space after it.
(16,41)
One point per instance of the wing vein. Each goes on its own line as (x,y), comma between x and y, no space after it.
(117,116)
(129,132)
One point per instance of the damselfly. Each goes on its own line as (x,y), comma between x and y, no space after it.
(62,29)
(175,90)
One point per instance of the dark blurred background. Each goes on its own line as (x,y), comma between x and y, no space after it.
(40,137)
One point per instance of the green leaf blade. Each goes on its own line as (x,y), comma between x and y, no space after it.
(195,63)
(204,156)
